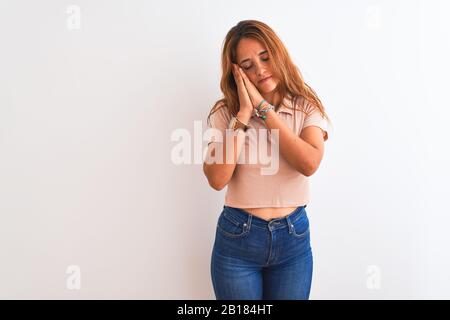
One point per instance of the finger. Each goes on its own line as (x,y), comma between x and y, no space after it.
(251,88)
(248,83)
(242,73)
(236,74)
(236,70)
(245,79)
(239,77)
(244,76)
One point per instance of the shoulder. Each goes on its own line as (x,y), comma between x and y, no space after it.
(298,106)
(219,114)
(305,108)
(303,105)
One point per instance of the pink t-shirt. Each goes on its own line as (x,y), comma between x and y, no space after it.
(249,187)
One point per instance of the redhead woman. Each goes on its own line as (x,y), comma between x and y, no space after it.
(262,244)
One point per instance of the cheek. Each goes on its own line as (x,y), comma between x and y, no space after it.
(252,78)
(250,75)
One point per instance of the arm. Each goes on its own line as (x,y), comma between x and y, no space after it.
(304,153)
(219,174)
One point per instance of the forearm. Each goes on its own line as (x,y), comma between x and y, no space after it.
(219,167)
(297,152)
(222,157)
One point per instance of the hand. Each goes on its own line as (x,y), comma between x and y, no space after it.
(252,91)
(245,104)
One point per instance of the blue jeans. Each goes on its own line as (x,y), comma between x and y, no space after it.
(255,259)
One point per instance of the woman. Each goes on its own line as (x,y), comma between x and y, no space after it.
(262,246)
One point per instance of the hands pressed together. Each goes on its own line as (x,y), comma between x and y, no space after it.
(249,96)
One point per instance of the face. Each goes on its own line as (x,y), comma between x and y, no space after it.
(253,58)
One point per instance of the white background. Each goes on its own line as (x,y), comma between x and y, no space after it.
(86,118)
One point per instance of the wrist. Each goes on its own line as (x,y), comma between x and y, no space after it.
(263,108)
(244,116)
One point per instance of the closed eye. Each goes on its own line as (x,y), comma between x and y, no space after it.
(249,67)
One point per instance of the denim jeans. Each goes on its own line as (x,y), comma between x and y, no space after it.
(255,259)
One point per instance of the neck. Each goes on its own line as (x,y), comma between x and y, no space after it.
(272,98)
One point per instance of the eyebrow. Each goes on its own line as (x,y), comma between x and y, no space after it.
(262,52)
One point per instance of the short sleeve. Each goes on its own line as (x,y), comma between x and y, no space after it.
(313,117)
(219,120)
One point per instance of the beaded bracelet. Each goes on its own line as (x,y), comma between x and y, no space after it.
(259,111)
(265,109)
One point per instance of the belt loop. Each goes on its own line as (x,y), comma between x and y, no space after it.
(288,220)
(248,223)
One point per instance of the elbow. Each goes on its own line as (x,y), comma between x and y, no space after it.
(308,173)
(310,165)
(217,180)
(217,185)
(310,169)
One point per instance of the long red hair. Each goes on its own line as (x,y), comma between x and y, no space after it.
(291,80)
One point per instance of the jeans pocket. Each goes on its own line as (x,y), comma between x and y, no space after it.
(231,227)
(300,226)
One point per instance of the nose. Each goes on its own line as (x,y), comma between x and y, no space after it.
(260,70)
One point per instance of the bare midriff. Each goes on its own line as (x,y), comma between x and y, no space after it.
(270,213)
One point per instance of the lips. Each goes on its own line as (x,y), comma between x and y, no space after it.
(262,80)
